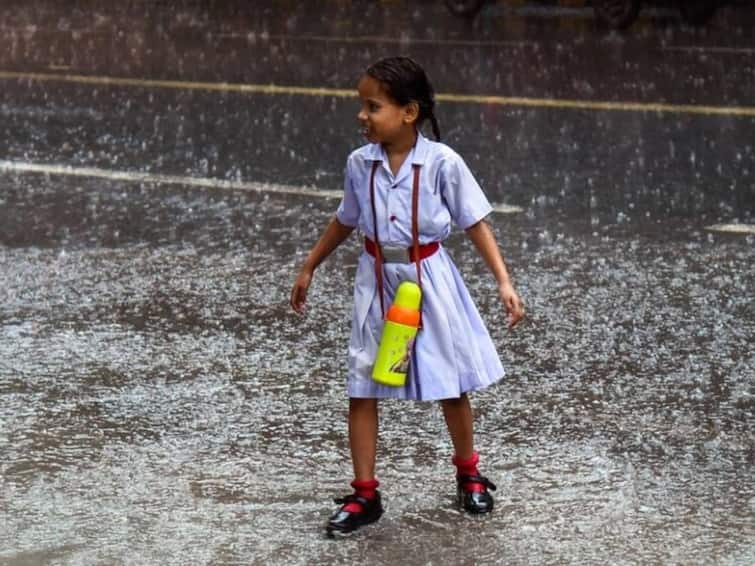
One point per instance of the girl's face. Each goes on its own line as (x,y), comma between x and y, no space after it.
(382,119)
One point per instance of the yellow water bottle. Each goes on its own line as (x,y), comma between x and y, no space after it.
(399,330)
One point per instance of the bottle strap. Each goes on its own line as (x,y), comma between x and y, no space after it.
(415,223)
(378,249)
(415,233)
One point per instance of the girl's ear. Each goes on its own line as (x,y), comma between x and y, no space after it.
(411,113)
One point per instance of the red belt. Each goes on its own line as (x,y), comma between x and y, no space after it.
(425,250)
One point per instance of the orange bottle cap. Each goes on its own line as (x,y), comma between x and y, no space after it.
(403,315)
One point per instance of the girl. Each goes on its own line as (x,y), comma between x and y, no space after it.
(402,191)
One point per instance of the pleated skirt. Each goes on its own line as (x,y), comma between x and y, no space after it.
(453,352)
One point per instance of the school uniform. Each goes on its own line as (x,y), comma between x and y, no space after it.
(453,352)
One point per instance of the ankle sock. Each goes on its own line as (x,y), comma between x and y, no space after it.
(363,488)
(468,467)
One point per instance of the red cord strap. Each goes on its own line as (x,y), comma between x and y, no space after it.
(378,248)
(415,223)
(415,231)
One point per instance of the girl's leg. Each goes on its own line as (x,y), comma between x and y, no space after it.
(363,433)
(472,488)
(458,414)
(364,505)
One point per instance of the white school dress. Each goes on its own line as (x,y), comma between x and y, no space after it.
(453,352)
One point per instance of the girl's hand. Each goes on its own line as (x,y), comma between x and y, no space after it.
(299,292)
(334,234)
(512,302)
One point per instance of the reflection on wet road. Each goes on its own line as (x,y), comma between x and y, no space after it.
(159,402)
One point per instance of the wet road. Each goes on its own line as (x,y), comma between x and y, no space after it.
(161,405)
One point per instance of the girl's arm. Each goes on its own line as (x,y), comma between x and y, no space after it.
(484,240)
(334,234)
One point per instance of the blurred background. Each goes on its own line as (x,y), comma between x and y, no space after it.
(643,160)
(166,166)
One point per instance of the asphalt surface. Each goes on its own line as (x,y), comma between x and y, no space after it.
(161,404)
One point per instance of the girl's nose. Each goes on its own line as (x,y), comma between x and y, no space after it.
(362,116)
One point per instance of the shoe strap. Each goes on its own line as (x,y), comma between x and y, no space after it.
(353,498)
(473,478)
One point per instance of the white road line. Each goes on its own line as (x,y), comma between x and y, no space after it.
(202,182)
(157,179)
(506,208)
(732,228)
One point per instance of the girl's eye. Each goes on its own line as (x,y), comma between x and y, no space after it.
(374,107)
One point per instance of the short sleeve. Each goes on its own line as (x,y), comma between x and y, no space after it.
(348,211)
(461,193)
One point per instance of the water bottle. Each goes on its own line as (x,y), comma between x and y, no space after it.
(399,330)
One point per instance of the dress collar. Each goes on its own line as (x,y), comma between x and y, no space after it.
(417,155)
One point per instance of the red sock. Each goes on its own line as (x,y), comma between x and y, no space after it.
(469,468)
(363,488)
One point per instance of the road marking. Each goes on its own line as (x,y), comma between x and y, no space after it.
(155,178)
(506,208)
(202,182)
(732,228)
(656,107)
(271,89)
(178,85)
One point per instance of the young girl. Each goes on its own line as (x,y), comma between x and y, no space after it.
(402,192)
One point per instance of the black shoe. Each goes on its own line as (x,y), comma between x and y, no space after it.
(344,522)
(476,502)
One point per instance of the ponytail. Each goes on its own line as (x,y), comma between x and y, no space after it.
(434,124)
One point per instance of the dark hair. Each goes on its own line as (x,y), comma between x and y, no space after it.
(405,81)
